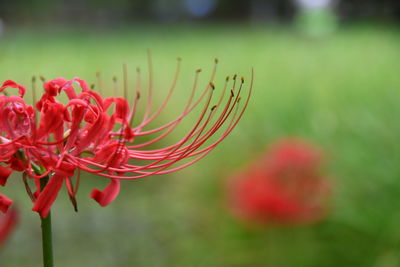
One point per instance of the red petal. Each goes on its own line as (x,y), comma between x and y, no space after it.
(4,174)
(108,195)
(95,130)
(12,84)
(5,203)
(82,84)
(48,195)
(54,87)
(51,119)
(16,164)
(65,168)
(121,109)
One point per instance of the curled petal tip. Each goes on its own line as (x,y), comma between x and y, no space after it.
(108,195)
(4,174)
(12,84)
(5,203)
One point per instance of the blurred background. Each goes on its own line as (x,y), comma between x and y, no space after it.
(326,71)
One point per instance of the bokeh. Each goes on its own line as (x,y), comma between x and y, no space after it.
(326,71)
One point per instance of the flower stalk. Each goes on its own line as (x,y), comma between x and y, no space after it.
(47,236)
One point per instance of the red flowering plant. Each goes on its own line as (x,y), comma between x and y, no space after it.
(51,142)
(285,186)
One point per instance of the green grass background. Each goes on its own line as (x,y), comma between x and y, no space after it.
(340,92)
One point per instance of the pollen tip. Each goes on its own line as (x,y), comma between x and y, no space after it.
(97,73)
(242,79)
(212,85)
(137,69)
(92,86)
(238,99)
(216,60)
(232,93)
(179,59)
(137,95)
(198,70)
(42,78)
(234,77)
(74,203)
(214,107)
(114,78)
(227,78)
(33,78)
(75,206)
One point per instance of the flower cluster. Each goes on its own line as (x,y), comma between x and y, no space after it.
(50,142)
(284,186)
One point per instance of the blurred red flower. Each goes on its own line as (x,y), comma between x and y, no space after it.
(8,221)
(285,186)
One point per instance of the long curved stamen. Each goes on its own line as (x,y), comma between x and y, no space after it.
(125,80)
(205,151)
(115,84)
(184,114)
(167,98)
(213,73)
(173,126)
(166,148)
(99,82)
(193,129)
(34,97)
(149,88)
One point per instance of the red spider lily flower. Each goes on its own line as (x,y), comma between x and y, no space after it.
(99,135)
(8,221)
(285,186)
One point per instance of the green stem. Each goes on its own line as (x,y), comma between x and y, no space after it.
(47,242)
